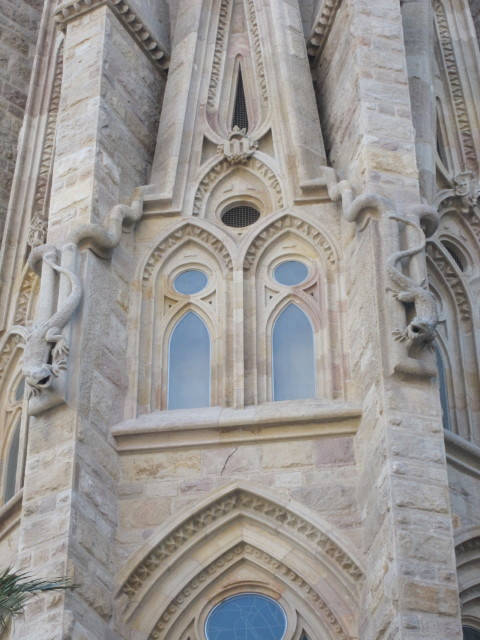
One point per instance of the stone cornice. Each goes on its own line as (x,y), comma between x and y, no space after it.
(162,430)
(462,454)
(322,25)
(67,11)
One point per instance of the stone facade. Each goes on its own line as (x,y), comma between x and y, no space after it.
(230,137)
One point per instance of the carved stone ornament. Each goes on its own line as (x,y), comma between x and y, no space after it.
(323,24)
(71,9)
(222,167)
(239,147)
(263,559)
(421,330)
(238,499)
(46,349)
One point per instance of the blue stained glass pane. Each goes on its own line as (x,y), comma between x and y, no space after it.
(293,356)
(189,364)
(247,616)
(290,273)
(190,282)
(470,634)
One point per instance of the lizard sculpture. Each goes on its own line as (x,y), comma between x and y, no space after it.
(421,330)
(42,362)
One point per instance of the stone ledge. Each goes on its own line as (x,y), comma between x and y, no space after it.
(10,514)
(462,454)
(67,11)
(275,421)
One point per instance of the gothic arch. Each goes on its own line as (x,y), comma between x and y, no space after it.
(258,239)
(186,245)
(221,167)
(467,551)
(288,237)
(290,545)
(205,234)
(456,330)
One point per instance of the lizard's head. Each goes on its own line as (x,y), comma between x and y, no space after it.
(38,378)
(421,332)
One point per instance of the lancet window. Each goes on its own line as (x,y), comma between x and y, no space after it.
(14,426)
(189,364)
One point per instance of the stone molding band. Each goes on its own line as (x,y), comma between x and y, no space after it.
(322,26)
(72,9)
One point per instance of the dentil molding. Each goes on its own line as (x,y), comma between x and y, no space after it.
(67,11)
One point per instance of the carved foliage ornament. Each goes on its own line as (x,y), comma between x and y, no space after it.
(261,558)
(239,499)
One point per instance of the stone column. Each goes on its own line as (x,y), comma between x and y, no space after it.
(110,102)
(363,91)
(418,28)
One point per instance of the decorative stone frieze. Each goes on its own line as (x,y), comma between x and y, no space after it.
(37,234)
(454,281)
(323,23)
(67,11)
(244,501)
(456,84)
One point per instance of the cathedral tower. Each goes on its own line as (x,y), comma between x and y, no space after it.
(239,351)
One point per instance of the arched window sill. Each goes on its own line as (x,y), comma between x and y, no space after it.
(271,421)
(462,454)
(10,514)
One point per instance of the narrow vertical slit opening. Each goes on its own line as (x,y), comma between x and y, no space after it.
(240,114)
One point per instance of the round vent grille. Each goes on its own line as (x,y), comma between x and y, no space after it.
(240,216)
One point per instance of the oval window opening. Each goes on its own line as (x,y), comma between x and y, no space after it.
(240,216)
(248,616)
(190,282)
(291,273)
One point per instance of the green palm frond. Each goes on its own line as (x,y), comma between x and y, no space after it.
(16,588)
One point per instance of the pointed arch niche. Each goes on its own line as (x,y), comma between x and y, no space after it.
(454,276)
(312,303)
(168,310)
(241,541)
(237,53)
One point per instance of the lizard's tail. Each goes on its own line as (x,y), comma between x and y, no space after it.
(399,255)
(63,315)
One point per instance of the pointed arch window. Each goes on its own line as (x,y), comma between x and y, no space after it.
(189,364)
(240,113)
(293,355)
(12,464)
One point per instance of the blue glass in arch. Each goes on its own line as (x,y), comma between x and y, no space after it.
(290,273)
(189,364)
(293,356)
(469,633)
(248,616)
(190,282)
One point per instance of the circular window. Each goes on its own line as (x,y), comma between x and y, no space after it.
(290,273)
(190,282)
(248,616)
(240,216)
